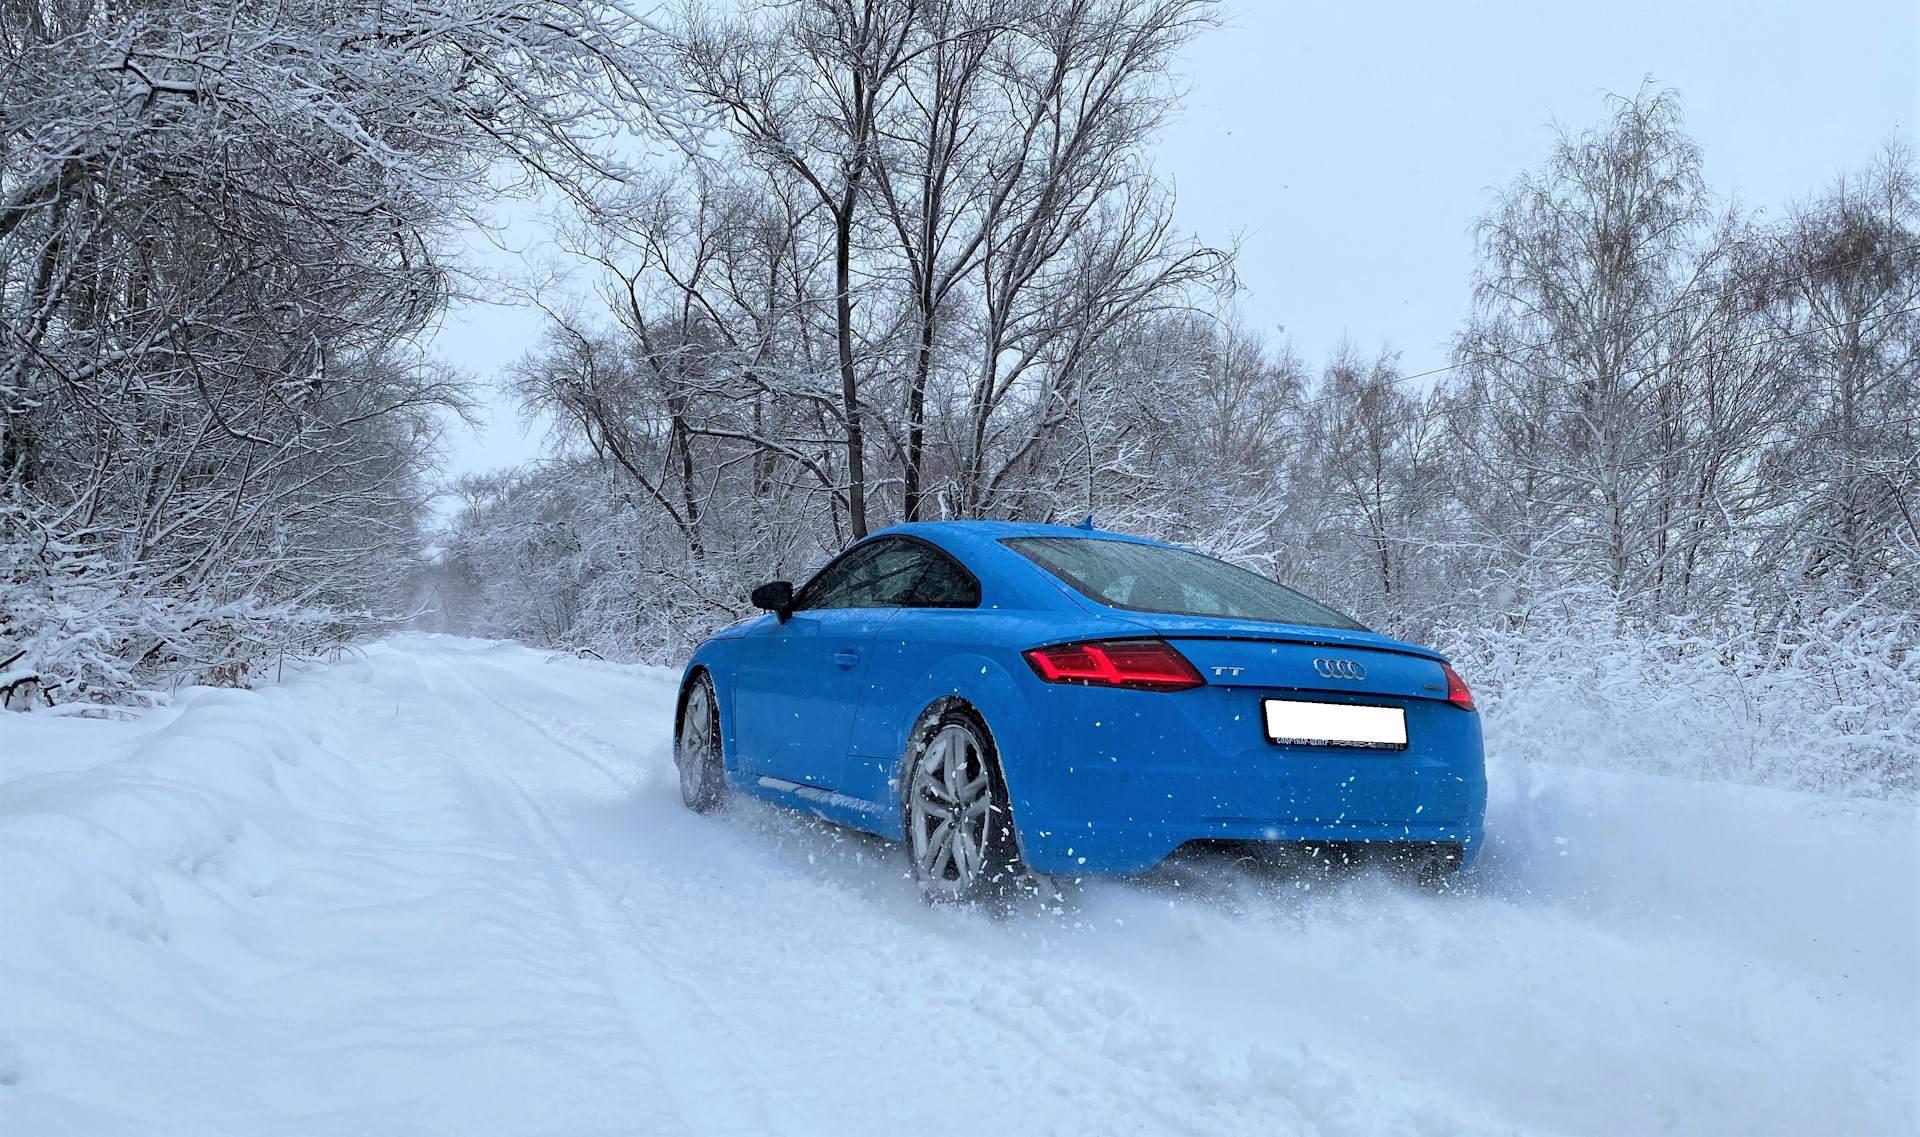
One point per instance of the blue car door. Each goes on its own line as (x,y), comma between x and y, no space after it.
(939,620)
(797,684)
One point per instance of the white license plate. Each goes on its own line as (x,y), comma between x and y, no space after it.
(1335,724)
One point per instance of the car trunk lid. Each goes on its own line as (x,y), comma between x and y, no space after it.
(1238,653)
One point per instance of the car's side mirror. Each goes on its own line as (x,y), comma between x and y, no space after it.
(776,598)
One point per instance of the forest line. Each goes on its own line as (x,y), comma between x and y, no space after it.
(911,260)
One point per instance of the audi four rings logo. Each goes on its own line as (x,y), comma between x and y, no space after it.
(1339,669)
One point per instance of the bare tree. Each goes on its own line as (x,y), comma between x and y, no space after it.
(1845,296)
(804,93)
(1083,239)
(939,189)
(1574,344)
(1377,465)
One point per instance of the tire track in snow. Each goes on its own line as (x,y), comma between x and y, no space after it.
(593,751)
(718,1100)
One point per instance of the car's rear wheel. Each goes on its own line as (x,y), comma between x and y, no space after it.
(959,828)
(696,750)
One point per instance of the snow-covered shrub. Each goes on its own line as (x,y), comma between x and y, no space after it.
(1827,702)
(76,626)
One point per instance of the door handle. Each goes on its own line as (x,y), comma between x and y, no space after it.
(846,657)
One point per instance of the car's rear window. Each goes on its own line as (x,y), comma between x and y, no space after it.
(1156,578)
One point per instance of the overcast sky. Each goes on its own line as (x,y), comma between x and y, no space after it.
(1351,145)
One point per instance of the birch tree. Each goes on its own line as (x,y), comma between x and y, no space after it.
(1845,298)
(1573,346)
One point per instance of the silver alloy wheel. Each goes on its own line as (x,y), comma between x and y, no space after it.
(696,750)
(949,808)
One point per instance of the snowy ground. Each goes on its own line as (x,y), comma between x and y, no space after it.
(448,887)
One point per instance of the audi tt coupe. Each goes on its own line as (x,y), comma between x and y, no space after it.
(1011,699)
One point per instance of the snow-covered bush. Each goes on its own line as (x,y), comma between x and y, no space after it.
(80,628)
(1827,702)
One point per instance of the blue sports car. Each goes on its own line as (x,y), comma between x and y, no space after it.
(1010,699)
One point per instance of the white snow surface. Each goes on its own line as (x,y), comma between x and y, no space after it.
(449,887)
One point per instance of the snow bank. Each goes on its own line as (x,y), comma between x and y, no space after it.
(130,852)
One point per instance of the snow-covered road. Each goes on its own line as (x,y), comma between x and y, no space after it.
(449,887)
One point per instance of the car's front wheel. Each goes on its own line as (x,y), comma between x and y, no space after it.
(959,827)
(696,750)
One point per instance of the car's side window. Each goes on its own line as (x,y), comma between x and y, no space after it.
(880,574)
(945,584)
(892,573)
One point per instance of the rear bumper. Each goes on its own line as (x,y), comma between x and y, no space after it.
(1125,848)
(1110,782)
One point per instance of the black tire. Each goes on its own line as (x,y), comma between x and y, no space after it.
(954,809)
(696,747)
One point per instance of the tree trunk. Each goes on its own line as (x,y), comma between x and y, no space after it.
(849,383)
(917,413)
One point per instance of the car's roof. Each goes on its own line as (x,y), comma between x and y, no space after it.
(982,538)
(997,530)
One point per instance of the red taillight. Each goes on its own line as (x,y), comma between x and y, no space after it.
(1457,692)
(1145,665)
